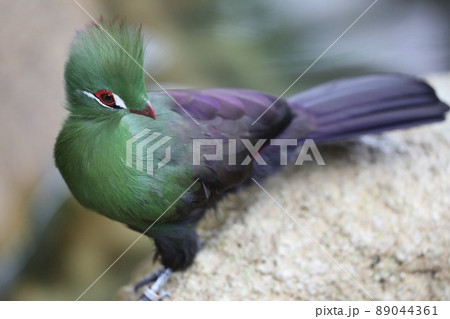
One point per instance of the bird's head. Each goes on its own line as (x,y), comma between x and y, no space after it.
(104,73)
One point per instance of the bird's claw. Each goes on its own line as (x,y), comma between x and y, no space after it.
(150,295)
(149,279)
(154,292)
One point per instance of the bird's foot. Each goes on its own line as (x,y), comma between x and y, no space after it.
(154,292)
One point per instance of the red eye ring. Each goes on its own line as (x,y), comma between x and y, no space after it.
(106,97)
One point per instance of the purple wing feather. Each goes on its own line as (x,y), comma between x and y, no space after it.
(237,109)
(230,114)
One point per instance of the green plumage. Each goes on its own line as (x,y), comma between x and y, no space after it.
(90,150)
(105,57)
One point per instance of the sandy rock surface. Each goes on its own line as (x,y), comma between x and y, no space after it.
(373,223)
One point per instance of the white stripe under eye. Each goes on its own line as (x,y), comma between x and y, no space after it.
(119,101)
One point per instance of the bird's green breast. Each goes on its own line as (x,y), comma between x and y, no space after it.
(92,157)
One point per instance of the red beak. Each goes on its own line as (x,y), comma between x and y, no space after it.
(149,111)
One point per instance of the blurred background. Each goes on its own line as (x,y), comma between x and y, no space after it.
(53,249)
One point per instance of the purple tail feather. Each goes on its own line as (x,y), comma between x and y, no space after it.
(352,107)
(368,104)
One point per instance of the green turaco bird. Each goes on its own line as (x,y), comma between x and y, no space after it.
(110,109)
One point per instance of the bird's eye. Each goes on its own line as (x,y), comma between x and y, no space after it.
(106,97)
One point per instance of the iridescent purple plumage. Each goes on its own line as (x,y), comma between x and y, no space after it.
(337,110)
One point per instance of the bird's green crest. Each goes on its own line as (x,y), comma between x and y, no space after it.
(106,56)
